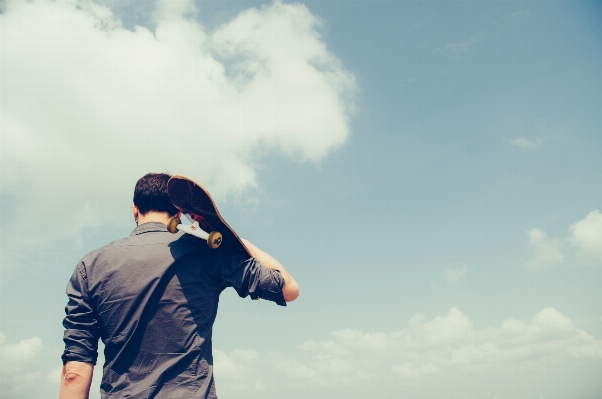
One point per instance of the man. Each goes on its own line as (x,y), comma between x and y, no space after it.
(152,298)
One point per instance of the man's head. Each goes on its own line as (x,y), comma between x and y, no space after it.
(150,195)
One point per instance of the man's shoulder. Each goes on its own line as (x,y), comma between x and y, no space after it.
(110,247)
(158,241)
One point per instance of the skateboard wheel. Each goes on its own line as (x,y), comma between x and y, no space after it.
(215,239)
(172,224)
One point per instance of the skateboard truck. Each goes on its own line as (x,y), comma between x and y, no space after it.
(214,239)
(194,202)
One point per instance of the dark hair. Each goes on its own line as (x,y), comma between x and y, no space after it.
(150,194)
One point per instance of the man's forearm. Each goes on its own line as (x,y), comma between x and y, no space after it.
(76,379)
(290,290)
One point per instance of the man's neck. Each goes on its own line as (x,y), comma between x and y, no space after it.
(161,217)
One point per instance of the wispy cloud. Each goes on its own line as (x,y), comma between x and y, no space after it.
(452,276)
(546,251)
(520,15)
(496,26)
(523,143)
(462,45)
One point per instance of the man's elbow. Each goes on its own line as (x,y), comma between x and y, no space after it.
(77,373)
(291,291)
(75,380)
(72,378)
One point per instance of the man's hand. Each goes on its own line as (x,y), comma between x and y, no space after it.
(290,291)
(75,380)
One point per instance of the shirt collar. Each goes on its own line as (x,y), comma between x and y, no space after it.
(149,228)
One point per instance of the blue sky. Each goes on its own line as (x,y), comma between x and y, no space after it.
(428,171)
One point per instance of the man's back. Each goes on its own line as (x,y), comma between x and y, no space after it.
(152,298)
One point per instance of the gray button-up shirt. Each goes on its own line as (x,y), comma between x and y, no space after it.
(152,298)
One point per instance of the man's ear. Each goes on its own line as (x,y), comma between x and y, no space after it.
(135,211)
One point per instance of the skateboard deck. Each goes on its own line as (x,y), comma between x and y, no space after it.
(193,200)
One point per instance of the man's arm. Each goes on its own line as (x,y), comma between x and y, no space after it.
(290,291)
(75,380)
(81,338)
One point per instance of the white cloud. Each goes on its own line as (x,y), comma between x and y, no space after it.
(586,236)
(54,377)
(452,276)
(31,369)
(88,107)
(520,14)
(17,376)
(523,143)
(440,350)
(237,371)
(463,45)
(410,369)
(546,251)
(425,359)
(449,342)
(16,356)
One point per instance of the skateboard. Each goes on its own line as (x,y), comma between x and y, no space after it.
(195,202)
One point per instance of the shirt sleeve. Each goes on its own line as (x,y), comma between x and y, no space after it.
(81,325)
(250,277)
